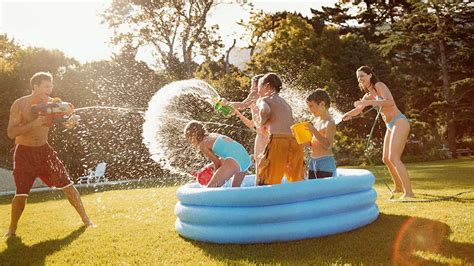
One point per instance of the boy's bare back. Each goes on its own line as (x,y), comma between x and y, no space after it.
(280,117)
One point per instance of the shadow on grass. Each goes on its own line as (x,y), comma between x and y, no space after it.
(36,197)
(422,197)
(464,196)
(391,239)
(18,253)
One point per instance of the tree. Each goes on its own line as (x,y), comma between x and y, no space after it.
(8,47)
(309,57)
(286,44)
(437,37)
(368,20)
(176,30)
(232,85)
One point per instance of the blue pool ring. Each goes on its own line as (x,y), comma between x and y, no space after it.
(291,211)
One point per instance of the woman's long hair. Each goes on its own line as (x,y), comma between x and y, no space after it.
(367,70)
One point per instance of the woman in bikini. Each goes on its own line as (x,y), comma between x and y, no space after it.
(377,94)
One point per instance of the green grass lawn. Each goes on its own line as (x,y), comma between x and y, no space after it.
(136,225)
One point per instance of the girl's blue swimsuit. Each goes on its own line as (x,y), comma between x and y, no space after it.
(225,147)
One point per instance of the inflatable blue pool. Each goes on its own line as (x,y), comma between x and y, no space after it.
(291,211)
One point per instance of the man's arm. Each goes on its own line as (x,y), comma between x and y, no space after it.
(15,128)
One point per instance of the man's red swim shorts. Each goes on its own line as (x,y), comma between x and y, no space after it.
(43,162)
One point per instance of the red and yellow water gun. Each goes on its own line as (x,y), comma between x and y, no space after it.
(56,110)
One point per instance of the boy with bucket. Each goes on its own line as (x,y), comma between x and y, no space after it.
(322,163)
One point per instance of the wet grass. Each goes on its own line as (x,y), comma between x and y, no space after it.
(136,225)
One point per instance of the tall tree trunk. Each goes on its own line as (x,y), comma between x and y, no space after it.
(450,126)
(227,64)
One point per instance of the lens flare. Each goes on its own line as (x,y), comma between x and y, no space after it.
(417,235)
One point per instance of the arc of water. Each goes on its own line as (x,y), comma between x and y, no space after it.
(158,111)
(123,109)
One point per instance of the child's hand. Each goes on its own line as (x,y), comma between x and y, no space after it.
(235,111)
(310,127)
(360,104)
(255,80)
(224,101)
(208,165)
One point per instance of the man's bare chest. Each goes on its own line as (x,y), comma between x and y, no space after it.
(26,115)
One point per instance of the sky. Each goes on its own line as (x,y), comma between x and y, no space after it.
(74,26)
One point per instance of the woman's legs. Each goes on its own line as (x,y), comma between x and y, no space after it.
(228,168)
(391,168)
(398,140)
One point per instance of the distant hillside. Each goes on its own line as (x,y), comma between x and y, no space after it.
(239,57)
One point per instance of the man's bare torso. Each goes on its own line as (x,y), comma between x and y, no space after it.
(35,137)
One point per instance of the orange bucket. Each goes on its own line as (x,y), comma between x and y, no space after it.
(300,132)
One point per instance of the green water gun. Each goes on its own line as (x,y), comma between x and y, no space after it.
(219,106)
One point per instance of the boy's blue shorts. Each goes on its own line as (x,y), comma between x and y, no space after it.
(322,167)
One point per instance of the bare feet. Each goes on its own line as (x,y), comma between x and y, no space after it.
(89,223)
(9,233)
(407,195)
(398,188)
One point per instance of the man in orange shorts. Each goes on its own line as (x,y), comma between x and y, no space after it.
(283,155)
(33,157)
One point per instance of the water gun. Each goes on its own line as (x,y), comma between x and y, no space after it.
(56,110)
(204,175)
(218,105)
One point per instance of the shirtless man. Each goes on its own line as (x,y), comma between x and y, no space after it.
(33,157)
(283,155)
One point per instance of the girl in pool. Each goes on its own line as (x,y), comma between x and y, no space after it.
(228,156)
(377,94)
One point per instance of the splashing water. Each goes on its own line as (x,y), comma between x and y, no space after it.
(336,115)
(297,100)
(122,109)
(169,110)
(177,103)
(105,134)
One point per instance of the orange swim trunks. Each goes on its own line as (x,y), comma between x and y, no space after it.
(282,156)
